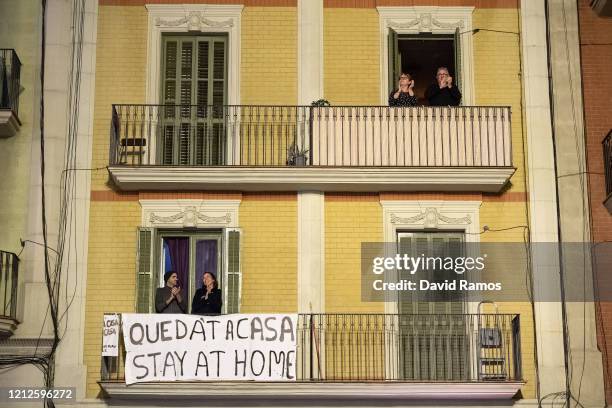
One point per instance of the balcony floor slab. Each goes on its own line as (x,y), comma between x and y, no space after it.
(391,390)
(296,178)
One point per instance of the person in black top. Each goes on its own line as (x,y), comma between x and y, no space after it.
(443,92)
(207,299)
(404,95)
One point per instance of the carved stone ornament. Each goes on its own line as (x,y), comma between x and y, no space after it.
(190,217)
(431,219)
(195,21)
(425,23)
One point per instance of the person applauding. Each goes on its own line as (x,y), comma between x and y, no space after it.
(207,299)
(169,299)
(443,92)
(404,95)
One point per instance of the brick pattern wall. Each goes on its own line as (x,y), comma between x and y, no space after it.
(269,253)
(348,223)
(351,54)
(497,74)
(268,71)
(111,275)
(121,59)
(596,51)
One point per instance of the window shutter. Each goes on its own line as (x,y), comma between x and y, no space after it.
(457,74)
(395,60)
(233,280)
(144,270)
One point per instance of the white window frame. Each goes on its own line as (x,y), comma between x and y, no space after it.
(195,214)
(434,20)
(418,216)
(194,18)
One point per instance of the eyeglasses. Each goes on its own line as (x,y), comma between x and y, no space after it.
(442,74)
(404,77)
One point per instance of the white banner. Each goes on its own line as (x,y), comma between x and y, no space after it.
(173,347)
(110,335)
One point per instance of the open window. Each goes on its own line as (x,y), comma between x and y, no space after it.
(189,253)
(421,55)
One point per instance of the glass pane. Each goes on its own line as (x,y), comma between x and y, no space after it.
(206,260)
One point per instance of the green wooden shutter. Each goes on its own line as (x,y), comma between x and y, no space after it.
(194,72)
(233,279)
(144,270)
(457,74)
(395,60)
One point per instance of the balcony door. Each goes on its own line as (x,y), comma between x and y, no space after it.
(421,55)
(433,330)
(194,92)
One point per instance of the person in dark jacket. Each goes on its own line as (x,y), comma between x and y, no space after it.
(443,92)
(169,299)
(207,299)
(404,95)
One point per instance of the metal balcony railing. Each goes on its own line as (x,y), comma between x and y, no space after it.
(380,347)
(9,270)
(607,154)
(10,71)
(339,136)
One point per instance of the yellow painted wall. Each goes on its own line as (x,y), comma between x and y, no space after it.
(269,255)
(347,225)
(121,59)
(111,274)
(351,54)
(268,66)
(497,74)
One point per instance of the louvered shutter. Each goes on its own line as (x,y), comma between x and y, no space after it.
(144,270)
(457,74)
(232,286)
(195,71)
(395,60)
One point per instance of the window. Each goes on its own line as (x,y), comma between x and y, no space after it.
(421,55)
(431,244)
(434,335)
(194,84)
(190,253)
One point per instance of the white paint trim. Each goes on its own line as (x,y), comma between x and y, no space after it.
(310,51)
(370,179)
(436,20)
(205,18)
(178,213)
(311,252)
(373,391)
(396,215)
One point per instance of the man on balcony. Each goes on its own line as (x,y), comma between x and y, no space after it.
(443,92)
(169,298)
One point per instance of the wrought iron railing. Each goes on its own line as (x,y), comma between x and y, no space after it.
(9,270)
(10,71)
(339,136)
(607,154)
(381,347)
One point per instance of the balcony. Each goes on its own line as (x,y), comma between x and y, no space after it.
(10,69)
(607,154)
(292,148)
(370,356)
(9,270)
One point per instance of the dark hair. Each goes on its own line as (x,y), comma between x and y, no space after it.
(167,275)
(405,73)
(215,283)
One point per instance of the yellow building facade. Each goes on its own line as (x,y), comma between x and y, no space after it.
(264,43)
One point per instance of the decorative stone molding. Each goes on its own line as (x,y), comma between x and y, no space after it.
(425,23)
(195,21)
(182,18)
(435,20)
(190,217)
(431,219)
(190,213)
